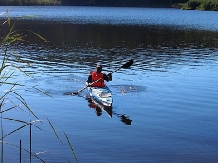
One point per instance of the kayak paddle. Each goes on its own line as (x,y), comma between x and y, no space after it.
(126,65)
(85,87)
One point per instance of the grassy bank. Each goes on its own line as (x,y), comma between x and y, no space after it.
(30,2)
(208,5)
(114,3)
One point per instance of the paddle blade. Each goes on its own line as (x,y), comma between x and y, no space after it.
(68,93)
(71,93)
(128,64)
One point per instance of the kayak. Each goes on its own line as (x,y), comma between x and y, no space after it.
(101,95)
(102,98)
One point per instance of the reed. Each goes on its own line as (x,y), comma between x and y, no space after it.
(11,100)
(209,5)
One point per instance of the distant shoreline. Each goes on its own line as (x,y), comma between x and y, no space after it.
(98,3)
(149,6)
(205,5)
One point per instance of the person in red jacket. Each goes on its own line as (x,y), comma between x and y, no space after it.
(99,77)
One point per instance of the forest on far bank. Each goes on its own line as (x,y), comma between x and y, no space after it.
(115,3)
(211,5)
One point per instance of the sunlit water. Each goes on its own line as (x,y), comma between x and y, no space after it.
(169,93)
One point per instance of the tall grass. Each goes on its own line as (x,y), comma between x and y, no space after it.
(211,5)
(11,100)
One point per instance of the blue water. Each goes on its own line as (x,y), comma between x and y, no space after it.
(183,19)
(169,93)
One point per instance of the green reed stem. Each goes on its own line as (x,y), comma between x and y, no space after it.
(2,144)
(30,142)
(20,151)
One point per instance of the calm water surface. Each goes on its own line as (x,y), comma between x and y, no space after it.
(170,92)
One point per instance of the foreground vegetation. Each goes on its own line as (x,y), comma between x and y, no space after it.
(211,5)
(12,103)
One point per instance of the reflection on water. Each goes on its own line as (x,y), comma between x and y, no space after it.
(169,92)
(124,118)
(108,110)
(98,107)
(98,110)
(157,39)
(76,47)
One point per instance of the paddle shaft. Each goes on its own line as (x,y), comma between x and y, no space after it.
(85,87)
(115,70)
(126,65)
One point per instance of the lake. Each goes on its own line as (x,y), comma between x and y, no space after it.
(169,93)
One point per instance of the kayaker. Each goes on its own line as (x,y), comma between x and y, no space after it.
(99,77)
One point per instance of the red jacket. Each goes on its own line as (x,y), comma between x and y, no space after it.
(96,76)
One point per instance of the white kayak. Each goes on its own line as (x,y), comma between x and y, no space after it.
(101,95)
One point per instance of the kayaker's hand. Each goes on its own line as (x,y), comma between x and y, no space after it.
(87,84)
(109,76)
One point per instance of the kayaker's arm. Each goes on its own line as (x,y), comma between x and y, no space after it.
(89,80)
(108,77)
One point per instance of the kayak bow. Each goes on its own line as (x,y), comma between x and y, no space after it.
(101,95)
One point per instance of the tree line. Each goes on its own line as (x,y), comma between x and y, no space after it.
(123,3)
(182,4)
(115,3)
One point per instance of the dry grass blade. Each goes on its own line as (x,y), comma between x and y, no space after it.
(8,83)
(13,131)
(20,121)
(20,98)
(53,130)
(22,149)
(9,19)
(71,147)
(42,91)
(38,35)
(16,120)
(7,77)
(8,38)
(69,143)
(4,96)
(4,61)
(7,109)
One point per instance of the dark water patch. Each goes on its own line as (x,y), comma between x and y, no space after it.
(77,48)
(68,36)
